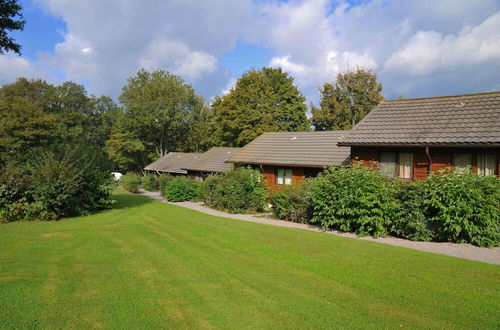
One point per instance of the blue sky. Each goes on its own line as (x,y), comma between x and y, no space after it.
(417,48)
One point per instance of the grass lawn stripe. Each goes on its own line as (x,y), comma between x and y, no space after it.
(147,264)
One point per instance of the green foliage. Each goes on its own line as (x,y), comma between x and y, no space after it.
(236,191)
(52,187)
(354,199)
(344,103)
(261,101)
(293,203)
(163,182)
(181,189)
(130,182)
(160,113)
(464,207)
(35,115)
(412,222)
(11,19)
(150,183)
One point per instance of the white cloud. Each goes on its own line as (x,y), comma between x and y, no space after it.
(177,58)
(418,47)
(428,51)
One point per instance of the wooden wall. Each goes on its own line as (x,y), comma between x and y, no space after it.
(441,157)
(269,173)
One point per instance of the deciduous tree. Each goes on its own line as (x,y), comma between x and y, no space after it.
(11,19)
(344,103)
(261,101)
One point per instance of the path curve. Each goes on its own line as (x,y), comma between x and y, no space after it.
(465,251)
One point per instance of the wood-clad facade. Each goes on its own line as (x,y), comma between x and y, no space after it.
(278,176)
(427,160)
(288,158)
(411,138)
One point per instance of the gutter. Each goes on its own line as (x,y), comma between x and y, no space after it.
(427,152)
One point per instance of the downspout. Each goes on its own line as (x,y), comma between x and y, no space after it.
(428,157)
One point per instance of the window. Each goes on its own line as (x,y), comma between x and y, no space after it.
(284,176)
(405,165)
(388,164)
(486,164)
(462,161)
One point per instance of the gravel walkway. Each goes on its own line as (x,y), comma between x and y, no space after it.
(465,251)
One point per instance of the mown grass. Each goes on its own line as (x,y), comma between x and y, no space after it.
(146,264)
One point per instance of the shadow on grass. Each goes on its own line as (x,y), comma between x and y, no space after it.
(126,201)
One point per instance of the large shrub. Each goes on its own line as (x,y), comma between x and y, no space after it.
(181,189)
(130,182)
(412,221)
(52,187)
(150,183)
(293,203)
(237,191)
(163,182)
(354,199)
(464,207)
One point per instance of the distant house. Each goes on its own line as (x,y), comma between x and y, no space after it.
(212,161)
(412,137)
(172,163)
(288,158)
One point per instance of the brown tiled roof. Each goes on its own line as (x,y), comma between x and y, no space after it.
(307,149)
(213,160)
(459,120)
(172,162)
(4,148)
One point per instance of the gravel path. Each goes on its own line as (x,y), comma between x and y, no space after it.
(465,251)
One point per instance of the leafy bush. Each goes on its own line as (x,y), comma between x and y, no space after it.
(354,199)
(130,182)
(464,207)
(181,189)
(237,191)
(163,182)
(150,183)
(52,187)
(412,222)
(293,203)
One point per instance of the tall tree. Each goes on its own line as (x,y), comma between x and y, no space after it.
(261,101)
(37,115)
(158,107)
(11,19)
(344,103)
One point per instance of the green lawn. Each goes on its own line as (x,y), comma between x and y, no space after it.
(147,264)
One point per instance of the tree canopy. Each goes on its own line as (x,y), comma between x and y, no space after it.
(11,19)
(344,103)
(38,115)
(261,101)
(160,113)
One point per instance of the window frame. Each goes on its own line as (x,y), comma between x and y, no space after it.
(283,177)
(398,164)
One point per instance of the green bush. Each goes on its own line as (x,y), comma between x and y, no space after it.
(150,183)
(464,207)
(237,191)
(181,189)
(354,199)
(130,182)
(52,187)
(163,182)
(412,222)
(293,203)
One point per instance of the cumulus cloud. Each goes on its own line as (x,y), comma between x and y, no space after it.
(417,47)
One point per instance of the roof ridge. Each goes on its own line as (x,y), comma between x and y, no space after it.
(441,97)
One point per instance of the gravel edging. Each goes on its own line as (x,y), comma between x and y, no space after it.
(464,251)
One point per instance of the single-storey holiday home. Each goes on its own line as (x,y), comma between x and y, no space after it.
(411,137)
(286,158)
(172,163)
(210,162)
